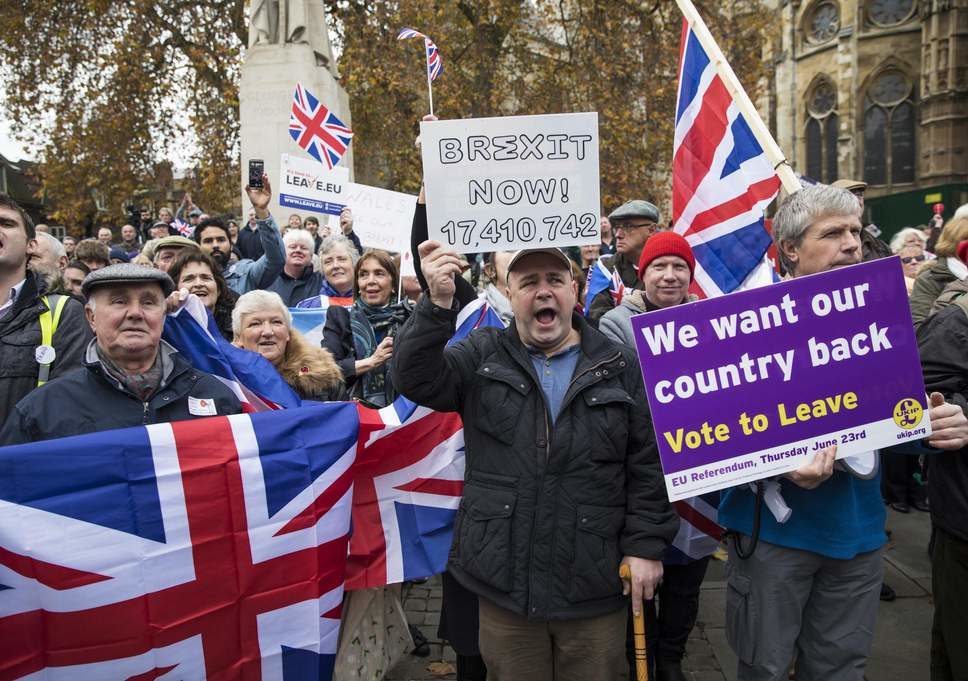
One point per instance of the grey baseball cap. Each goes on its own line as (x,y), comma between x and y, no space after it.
(555,252)
(126,273)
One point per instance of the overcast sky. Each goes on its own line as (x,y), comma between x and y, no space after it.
(8,146)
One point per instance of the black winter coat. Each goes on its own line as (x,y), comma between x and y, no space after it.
(88,400)
(20,336)
(548,511)
(943,345)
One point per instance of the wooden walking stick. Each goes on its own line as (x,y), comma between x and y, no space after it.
(638,631)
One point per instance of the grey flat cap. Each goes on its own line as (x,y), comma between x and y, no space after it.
(126,273)
(174,241)
(635,209)
(195,212)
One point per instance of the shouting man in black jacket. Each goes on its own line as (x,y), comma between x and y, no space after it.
(562,480)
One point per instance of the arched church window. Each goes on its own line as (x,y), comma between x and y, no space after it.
(822,130)
(889,129)
(890,12)
(822,22)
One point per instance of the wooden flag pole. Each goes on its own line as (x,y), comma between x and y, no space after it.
(773,152)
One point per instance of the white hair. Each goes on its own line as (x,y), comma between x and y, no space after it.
(331,243)
(897,241)
(301,236)
(257,301)
(54,244)
(802,209)
(962,211)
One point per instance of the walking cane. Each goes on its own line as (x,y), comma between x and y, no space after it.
(638,631)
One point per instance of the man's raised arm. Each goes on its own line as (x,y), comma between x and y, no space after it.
(423,368)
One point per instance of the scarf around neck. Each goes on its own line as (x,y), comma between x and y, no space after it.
(370,325)
(328,290)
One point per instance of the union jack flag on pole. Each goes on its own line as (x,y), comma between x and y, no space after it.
(601,279)
(316,129)
(726,168)
(209,548)
(435,65)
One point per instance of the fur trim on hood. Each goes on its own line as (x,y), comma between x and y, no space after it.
(309,370)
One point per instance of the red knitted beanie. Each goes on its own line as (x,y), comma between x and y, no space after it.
(962,251)
(667,243)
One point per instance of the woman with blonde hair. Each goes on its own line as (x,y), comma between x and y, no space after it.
(939,273)
(262,323)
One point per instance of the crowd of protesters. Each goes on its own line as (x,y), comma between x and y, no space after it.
(563,481)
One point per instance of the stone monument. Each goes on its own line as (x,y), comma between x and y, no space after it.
(288,44)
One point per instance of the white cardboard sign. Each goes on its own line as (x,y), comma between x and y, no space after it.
(381,218)
(513,182)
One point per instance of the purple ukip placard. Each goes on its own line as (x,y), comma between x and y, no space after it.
(752,384)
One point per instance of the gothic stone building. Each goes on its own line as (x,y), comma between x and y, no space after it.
(875,90)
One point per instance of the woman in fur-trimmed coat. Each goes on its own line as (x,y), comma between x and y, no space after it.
(262,323)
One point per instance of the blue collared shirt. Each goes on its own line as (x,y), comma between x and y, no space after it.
(555,374)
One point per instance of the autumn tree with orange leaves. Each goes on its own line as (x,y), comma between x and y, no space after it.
(101,90)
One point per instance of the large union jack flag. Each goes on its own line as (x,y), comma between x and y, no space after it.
(435,65)
(722,181)
(212,548)
(316,129)
(410,468)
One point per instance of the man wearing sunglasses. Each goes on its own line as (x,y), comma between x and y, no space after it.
(632,224)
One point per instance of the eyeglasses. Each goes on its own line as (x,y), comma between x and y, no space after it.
(914,258)
(651,226)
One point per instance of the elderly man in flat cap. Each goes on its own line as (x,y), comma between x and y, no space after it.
(130,376)
(167,250)
(632,223)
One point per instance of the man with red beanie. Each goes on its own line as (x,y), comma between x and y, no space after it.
(666,268)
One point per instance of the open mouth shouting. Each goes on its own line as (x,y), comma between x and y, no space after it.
(546,317)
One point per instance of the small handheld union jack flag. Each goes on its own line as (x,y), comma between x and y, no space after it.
(434,64)
(316,129)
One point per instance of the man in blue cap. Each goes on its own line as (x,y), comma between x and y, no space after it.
(632,224)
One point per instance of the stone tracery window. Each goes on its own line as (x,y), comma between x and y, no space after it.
(823,127)
(822,22)
(889,130)
(890,12)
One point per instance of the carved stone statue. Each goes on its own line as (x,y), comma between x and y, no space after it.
(277,22)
